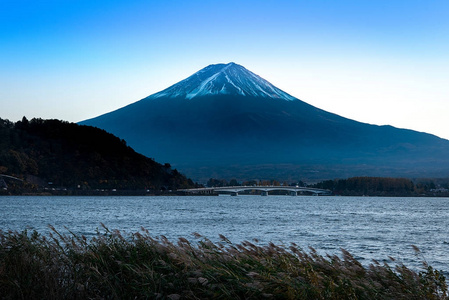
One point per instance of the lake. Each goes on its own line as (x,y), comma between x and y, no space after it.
(368,227)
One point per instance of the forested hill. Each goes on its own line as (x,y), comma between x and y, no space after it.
(60,154)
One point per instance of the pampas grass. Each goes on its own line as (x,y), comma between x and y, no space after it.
(112,265)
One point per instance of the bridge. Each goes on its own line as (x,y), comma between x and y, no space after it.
(235,190)
(3,184)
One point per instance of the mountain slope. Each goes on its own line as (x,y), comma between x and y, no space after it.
(71,155)
(226,121)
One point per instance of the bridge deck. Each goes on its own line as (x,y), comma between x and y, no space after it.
(264,189)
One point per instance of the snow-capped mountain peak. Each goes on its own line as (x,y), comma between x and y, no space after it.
(223,79)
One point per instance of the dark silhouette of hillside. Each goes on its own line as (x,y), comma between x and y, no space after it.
(56,153)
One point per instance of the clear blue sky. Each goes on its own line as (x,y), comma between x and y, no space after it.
(380,62)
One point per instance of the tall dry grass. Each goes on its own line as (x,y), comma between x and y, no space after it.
(138,266)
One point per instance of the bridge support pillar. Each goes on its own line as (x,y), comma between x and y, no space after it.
(264,193)
(234,193)
(293,193)
(3,184)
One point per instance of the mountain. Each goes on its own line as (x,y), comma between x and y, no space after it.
(225,121)
(77,158)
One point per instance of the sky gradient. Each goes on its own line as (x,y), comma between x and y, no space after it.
(379,62)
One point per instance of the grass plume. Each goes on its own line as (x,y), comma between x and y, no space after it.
(137,266)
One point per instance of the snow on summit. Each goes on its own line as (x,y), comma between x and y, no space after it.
(223,79)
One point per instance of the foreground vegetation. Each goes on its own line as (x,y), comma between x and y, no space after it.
(137,266)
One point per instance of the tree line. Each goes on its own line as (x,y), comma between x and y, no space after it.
(386,186)
(54,153)
(357,186)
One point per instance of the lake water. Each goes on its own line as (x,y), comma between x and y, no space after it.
(368,227)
